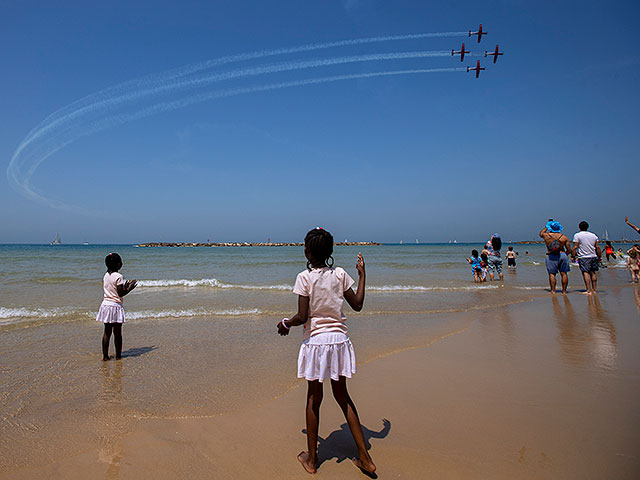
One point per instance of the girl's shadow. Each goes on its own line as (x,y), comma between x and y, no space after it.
(137,351)
(340,445)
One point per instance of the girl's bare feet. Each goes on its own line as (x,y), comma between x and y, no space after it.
(104,359)
(303,458)
(366,465)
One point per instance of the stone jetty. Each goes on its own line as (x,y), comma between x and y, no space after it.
(243,244)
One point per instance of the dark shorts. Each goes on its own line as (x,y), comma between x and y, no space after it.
(557,262)
(511,262)
(588,265)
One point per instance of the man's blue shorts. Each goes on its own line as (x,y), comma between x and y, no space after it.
(557,262)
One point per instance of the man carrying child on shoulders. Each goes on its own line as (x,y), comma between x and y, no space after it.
(558,249)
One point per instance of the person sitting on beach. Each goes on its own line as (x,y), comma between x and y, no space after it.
(556,260)
(495,261)
(476,269)
(626,220)
(633,263)
(586,248)
(111,312)
(326,351)
(608,251)
(511,258)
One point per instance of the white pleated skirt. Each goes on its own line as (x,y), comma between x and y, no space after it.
(326,355)
(110,312)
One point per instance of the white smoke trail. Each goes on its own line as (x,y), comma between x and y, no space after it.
(70,123)
(138,94)
(110,94)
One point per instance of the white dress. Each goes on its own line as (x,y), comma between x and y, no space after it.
(111,309)
(326,351)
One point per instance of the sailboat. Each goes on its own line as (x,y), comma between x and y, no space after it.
(57,240)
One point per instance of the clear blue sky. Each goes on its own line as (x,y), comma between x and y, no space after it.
(549,131)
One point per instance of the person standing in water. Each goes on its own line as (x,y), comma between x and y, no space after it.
(111,311)
(494,260)
(558,251)
(511,259)
(586,248)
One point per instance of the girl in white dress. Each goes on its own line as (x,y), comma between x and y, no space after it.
(111,311)
(326,351)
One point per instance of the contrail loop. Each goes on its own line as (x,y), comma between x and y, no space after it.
(195,67)
(63,124)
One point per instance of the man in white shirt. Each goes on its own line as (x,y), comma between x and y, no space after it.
(586,248)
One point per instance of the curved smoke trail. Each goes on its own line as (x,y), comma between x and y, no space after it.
(70,122)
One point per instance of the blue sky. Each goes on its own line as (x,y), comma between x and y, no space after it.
(549,131)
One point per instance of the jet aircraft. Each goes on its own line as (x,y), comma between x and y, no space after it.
(461,52)
(477,68)
(479,33)
(495,54)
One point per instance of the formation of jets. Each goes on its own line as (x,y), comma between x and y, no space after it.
(495,54)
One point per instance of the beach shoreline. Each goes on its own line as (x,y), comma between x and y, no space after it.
(510,393)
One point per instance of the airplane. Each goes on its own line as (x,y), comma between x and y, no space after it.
(477,69)
(461,52)
(479,33)
(495,54)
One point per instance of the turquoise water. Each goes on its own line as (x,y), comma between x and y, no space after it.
(42,283)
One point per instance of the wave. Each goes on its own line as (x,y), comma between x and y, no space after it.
(22,312)
(9,316)
(208,282)
(198,312)
(420,288)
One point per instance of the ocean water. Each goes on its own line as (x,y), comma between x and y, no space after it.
(200,337)
(51,284)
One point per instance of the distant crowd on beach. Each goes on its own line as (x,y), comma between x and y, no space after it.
(585,252)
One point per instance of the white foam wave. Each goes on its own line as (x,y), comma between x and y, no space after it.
(208,282)
(10,316)
(27,312)
(420,288)
(187,313)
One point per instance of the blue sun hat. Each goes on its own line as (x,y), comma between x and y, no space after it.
(554,227)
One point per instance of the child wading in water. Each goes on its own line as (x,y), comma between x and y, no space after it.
(111,312)
(326,351)
(476,269)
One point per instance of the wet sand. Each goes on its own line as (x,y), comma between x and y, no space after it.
(543,389)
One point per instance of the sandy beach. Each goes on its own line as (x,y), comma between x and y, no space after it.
(542,389)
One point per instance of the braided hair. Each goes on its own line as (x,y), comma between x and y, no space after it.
(319,244)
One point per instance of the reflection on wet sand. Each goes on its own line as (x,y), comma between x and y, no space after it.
(111,398)
(605,345)
(584,340)
(636,294)
(112,383)
(573,337)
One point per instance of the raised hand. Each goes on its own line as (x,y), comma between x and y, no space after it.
(360,264)
(130,285)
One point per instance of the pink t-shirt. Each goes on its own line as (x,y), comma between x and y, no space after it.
(325,288)
(109,285)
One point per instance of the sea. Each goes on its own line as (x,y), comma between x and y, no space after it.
(200,337)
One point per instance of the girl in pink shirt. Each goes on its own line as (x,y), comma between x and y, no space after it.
(111,312)
(326,351)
